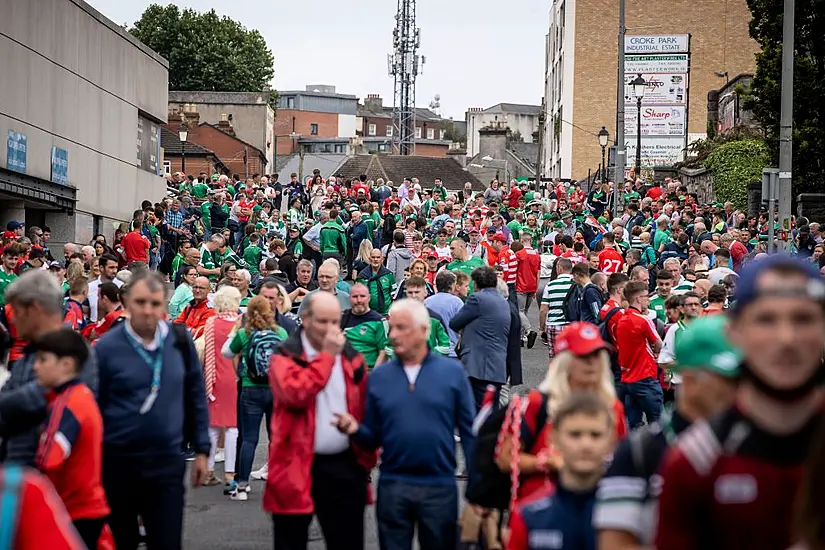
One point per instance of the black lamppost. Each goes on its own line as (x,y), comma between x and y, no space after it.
(183,133)
(639,87)
(604,137)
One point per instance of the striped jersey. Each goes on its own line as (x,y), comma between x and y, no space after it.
(507,259)
(683,286)
(553,297)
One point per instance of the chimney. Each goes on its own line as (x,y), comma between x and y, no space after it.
(374,103)
(225,126)
(492,141)
(190,113)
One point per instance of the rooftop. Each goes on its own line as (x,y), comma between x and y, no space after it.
(221,98)
(315,93)
(171,143)
(516,108)
(395,168)
(386,112)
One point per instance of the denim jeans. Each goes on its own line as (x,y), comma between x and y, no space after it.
(255,403)
(401,507)
(644,396)
(479,388)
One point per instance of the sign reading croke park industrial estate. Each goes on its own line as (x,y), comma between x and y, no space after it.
(675,43)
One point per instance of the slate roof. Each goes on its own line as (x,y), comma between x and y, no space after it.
(420,113)
(514,108)
(526,152)
(170,141)
(395,168)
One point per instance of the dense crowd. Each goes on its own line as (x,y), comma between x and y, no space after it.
(681,407)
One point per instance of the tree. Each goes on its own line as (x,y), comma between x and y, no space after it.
(205,51)
(809,85)
(735,164)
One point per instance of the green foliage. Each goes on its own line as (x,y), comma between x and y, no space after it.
(809,85)
(735,164)
(205,51)
(700,150)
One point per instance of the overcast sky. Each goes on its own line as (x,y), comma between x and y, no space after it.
(476,56)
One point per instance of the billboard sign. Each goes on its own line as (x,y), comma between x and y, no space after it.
(665,64)
(656,121)
(656,151)
(676,43)
(60,166)
(16,151)
(661,89)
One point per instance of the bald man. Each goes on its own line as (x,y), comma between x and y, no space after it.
(195,315)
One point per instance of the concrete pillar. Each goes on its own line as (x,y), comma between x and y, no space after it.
(64,230)
(12,210)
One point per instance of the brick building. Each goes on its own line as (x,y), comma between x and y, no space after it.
(375,120)
(197,159)
(315,113)
(234,155)
(580,76)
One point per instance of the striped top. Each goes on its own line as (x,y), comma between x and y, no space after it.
(507,259)
(683,286)
(553,298)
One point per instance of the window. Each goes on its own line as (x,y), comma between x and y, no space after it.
(371,130)
(389,130)
(442,134)
(167,167)
(418,132)
(382,147)
(290,103)
(340,148)
(327,148)
(313,129)
(430,133)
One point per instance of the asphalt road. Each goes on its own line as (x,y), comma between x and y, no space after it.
(213,522)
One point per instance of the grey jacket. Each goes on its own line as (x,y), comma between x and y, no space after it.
(23,408)
(485,324)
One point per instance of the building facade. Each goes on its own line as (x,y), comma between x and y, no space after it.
(522,120)
(375,121)
(315,113)
(249,113)
(581,63)
(81,107)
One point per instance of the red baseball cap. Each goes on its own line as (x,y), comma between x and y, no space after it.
(499,237)
(580,338)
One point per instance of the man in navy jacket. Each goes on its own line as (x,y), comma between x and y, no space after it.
(153,402)
(415,404)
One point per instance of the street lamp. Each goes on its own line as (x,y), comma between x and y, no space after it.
(183,133)
(639,87)
(604,137)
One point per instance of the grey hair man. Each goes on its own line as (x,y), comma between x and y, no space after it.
(37,299)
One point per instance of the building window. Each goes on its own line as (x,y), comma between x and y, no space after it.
(167,167)
(418,132)
(313,129)
(430,133)
(389,130)
(290,103)
(371,130)
(382,147)
(327,148)
(442,134)
(340,148)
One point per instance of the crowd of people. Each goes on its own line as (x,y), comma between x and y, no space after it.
(681,407)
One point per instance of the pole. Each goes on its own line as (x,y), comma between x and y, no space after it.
(772,211)
(639,138)
(786,122)
(620,145)
(183,157)
(603,173)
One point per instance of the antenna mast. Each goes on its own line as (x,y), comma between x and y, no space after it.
(404,66)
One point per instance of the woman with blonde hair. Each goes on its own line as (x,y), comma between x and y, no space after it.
(221,382)
(254,342)
(581,364)
(362,259)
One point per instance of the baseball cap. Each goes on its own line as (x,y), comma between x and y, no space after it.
(9,235)
(499,237)
(14,224)
(580,338)
(294,228)
(704,345)
(748,289)
(432,255)
(473,230)
(55,265)
(491,230)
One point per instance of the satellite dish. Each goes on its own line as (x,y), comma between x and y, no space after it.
(437,97)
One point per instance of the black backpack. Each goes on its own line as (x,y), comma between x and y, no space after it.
(607,337)
(570,305)
(489,486)
(262,345)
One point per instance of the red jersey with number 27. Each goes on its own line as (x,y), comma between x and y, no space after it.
(610,261)
(635,336)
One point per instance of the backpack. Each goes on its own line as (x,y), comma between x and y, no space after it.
(604,331)
(258,353)
(490,487)
(570,305)
(10,493)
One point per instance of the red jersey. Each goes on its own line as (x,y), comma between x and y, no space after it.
(507,259)
(635,337)
(247,204)
(527,270)
(610,261)
(361,187)
(513,196)
(729,484)
(194,316)
(609,306)
(492,255)
(385,208)
(135,247)
(74,315)
(17,343)
(70,451)
(654,193)
(94,331)
(39,519)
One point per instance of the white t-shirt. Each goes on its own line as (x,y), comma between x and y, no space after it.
(94,294)
(329,401)
(412,372)
(668,353)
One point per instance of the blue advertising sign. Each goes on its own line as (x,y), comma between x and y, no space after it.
(16,152)
(60,166)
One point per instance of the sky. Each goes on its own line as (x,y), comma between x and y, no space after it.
(475,56)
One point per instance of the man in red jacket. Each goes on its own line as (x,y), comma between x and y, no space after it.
(527,284)
(732,482)
(313,468)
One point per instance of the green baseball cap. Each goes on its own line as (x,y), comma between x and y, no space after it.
(214,177)
(260,226)
(704,345)
(546,216)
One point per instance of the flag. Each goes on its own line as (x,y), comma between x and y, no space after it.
(486,408)
(595,225)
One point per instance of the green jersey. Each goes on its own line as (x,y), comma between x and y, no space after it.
(657,304)
(245,300)
(228,256)
(176,263)
(200,190)
(515,229)
(252,255)
(633,196)
(239,344)
(467,267)
(208,261)
(206,214)
(333,238)
(660,238)
(5,280)
(439,340)
(369,338)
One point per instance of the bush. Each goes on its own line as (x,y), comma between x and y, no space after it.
(734,165)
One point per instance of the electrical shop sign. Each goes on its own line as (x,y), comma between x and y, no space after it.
(676,43)
(656,151)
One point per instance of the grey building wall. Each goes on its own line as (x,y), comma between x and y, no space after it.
(319,103)
(75,80)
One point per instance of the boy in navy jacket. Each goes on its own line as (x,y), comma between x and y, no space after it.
(562,518)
